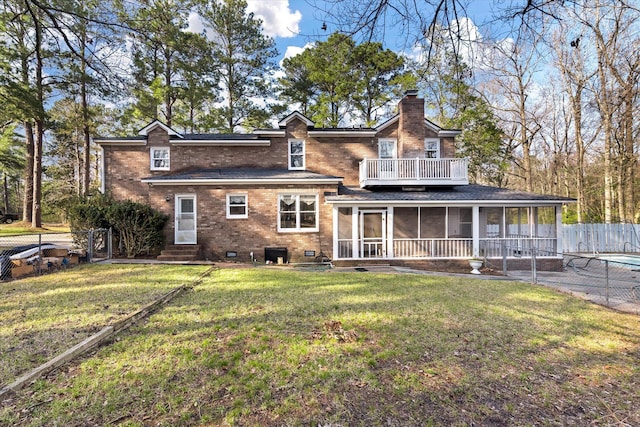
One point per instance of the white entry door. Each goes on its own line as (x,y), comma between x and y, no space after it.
(373,234)
(387,153)
(185,226)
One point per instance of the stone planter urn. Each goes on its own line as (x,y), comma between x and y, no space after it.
(475,264)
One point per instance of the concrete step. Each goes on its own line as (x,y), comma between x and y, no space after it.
(182,247)
(180,253)
(176,258)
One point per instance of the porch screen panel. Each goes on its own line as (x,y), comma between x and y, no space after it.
(517,220)
(460,223)
(405,223)
(433,222)
(491,225)
(492,243)
(545,222)
(545,231)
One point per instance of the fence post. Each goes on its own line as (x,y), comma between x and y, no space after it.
(109,244)
(534,273)
(90,247)
(39,265)
(503,249)
(606,274)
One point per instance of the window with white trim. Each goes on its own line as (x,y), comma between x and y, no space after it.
(159,158)
(296,154)
(237,206)
(297,212)
(432,148)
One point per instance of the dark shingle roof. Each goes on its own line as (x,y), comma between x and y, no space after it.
(240,174)
(461,193)
(219,137)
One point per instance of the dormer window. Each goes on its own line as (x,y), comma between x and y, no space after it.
(432,148)
(159,158)
(296,154)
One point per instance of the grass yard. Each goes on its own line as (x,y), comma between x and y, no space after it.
(265,346)
(41,317)
(17,228)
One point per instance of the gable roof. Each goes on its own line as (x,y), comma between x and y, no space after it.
(157,123)
(295,115)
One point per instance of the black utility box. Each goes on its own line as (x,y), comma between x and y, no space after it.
(272,254)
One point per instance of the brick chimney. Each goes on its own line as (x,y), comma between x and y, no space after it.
(411,127)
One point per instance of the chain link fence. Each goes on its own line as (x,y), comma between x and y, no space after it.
(615,279)
(24,254)
(612,280)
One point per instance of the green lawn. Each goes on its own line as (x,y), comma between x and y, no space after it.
(25,228)
(41,317)
(263,346)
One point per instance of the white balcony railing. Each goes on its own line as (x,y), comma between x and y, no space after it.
(413,172)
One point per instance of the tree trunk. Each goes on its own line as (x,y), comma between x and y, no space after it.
(167,86)
(36,213)
(27,201)
(85,164)
(630,157)
(5,184)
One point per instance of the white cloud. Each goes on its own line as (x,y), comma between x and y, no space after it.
(278,19)
(195,23)
(296,50)
(468,38)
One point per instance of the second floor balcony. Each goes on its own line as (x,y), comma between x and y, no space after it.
(413,172)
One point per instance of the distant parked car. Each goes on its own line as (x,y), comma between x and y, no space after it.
(7,218)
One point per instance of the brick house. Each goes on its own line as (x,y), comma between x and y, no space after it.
(395,192)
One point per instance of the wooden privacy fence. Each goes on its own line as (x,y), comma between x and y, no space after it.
(597,238)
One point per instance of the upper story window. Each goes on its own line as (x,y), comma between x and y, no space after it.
(297,212)
(387,149)
(296,154)
(432,148)
(237,206)
(159,158)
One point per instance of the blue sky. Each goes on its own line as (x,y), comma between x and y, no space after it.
(296,23)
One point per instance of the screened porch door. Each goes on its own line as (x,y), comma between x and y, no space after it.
(373,234)
(185,217)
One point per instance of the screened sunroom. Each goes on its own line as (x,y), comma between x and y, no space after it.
(402,231)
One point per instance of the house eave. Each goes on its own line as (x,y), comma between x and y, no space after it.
(449,133)
(222,143)
(246,181)
(341,133)
(123,141)
(512,203)
(270,132)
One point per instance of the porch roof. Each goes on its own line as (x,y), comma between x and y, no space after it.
(242,176)
(451,195)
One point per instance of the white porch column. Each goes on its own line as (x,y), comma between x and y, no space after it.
(355,213)
(389,225)
(560,246)
(336,248)
(475,233)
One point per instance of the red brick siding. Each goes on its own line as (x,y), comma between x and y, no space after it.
(124,167)
(411,128)
(447,148)
(217,234)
